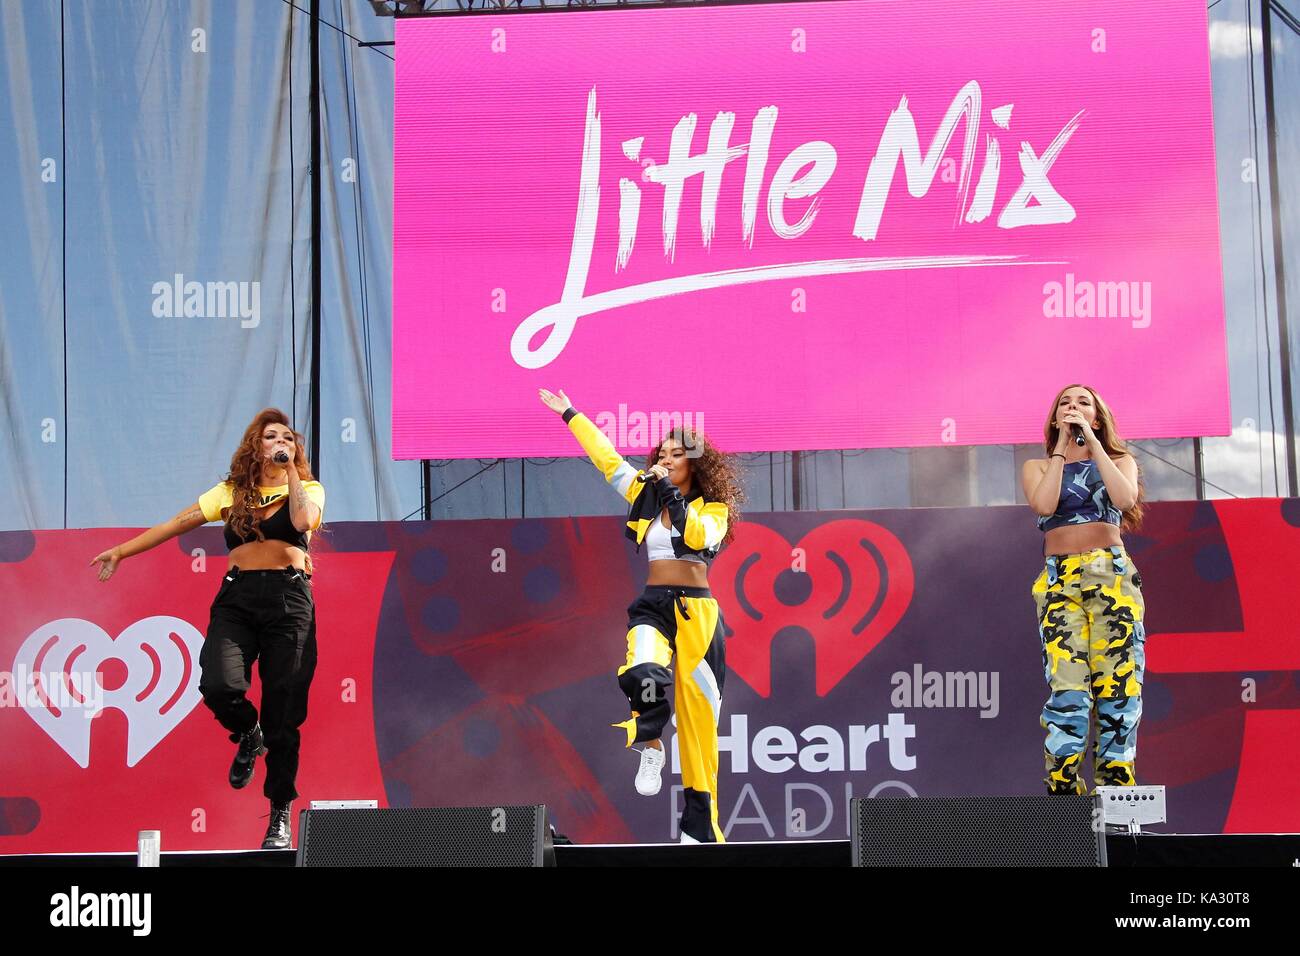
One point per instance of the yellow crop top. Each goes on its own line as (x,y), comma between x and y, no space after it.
(221,496)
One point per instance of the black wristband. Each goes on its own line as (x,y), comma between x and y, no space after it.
(569,414)
(1057,454)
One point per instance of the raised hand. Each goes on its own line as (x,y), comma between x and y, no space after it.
(557,403)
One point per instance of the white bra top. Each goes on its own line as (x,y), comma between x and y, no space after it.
(659,543)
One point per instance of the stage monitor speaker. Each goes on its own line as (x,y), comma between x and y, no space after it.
(426,836)
(1040,830)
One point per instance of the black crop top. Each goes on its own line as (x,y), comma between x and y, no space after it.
(278,527)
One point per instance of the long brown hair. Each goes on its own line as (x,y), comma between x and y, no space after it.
(1108,434)
(713,472)
(246,471)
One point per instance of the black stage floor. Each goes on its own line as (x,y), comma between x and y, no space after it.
(1145,850)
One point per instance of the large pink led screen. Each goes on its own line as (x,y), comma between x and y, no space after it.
(804,225)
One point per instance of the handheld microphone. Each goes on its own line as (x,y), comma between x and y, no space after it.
(1077,432)
(281,457)
(643,476)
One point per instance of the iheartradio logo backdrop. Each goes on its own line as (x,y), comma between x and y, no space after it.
(127,651)
(472,663)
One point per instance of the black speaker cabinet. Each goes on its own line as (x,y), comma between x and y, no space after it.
(426,836)
(1040,830)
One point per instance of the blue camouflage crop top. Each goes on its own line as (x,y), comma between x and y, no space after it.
(1083,498)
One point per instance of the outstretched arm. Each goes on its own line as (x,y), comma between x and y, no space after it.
(186,520)
(599,449)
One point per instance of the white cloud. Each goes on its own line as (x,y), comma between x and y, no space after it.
(1232,40)
(1242,463)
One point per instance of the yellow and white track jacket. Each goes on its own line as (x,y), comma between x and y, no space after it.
(700,525)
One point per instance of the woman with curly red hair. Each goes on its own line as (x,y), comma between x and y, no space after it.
(683,506)
(1089,594)
(264,610)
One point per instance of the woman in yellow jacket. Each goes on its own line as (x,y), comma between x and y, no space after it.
(682,507)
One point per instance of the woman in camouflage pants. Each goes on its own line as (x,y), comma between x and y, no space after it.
(1088,596)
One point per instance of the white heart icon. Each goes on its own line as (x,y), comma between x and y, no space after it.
(56,668)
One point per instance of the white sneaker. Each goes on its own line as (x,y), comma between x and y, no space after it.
(687,838)
(647,775)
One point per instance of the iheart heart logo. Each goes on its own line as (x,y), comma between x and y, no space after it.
(62,658)
(848,583)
